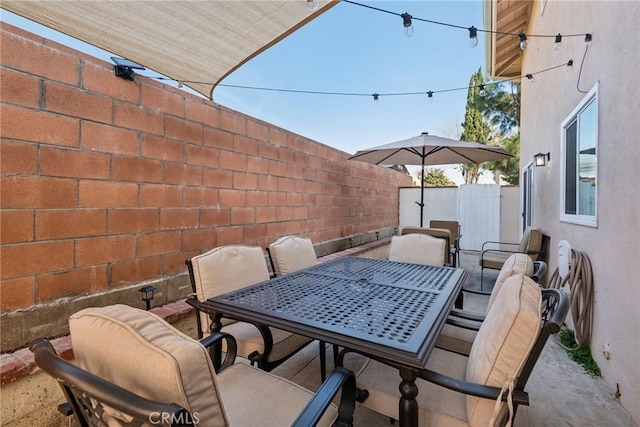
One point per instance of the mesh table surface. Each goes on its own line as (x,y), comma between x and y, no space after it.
(380,302)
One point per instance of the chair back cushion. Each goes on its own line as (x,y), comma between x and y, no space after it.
(515,264)
(225,269)
(531,242)
(452,226)
(291,253)
(503,343)
(142,353)
(418,249)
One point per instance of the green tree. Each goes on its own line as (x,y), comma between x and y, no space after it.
(500,105)
(475,127)
(435,177)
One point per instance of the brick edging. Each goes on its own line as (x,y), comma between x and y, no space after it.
(20,363)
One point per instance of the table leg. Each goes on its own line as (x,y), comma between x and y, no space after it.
(408,406)
(215,350)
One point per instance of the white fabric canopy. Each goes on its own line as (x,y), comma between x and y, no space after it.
(189,41)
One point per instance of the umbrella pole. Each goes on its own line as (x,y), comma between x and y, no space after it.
(422,189)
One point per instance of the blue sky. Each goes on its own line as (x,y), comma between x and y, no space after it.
(357,50)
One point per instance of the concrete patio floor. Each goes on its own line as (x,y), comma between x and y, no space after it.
(561,393)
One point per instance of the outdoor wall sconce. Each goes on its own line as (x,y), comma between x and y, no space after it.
(147,295)
(124,68)
(541,159)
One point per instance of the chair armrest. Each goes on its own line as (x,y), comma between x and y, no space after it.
(339,378)
(476,317)
(194,302)
(472,291)
(519,397)
(232,348)
(498,243)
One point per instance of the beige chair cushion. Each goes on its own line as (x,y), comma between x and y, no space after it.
(515,264)
(256,398)
(497,355)
(225,269)
(291,253)
(531,242)
(140,352)
(460,339)
(418,249)
(438,406)
(503,342)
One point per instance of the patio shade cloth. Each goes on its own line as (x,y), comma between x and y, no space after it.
(428,149)
(189,41)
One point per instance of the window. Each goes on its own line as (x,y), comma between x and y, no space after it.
(580,165)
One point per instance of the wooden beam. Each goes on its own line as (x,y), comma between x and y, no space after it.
(514,9)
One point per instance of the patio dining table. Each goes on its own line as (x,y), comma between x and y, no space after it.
(392,311)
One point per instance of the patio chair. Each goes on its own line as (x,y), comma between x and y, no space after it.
(291,253)
(419,248)
(454,229)
(133,368)
(456,390)
(225,269)
(533,242)
(462,326)
(287,255)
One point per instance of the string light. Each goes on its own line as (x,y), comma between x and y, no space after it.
(430,93)
(587,38)
(408,26)
(569,66)
(414,18)
(473,36)
(481,89)
(312,5)
(556,45)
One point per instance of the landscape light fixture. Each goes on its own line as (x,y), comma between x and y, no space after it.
(146,293)
(541,159)
(124,68)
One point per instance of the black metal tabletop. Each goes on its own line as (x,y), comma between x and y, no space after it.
(383,308)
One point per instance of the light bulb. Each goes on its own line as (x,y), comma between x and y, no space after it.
(473,36)
(481,89)
(375,98)
(312,5)
(430,97)
(587,38)
(408,26)
(530,78)
(556,45)
(523,41)
(569,66)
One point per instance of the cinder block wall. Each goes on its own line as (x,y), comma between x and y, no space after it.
(107,183)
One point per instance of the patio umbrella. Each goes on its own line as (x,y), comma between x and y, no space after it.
(428,149)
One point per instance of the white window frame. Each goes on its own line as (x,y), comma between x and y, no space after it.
(587,220)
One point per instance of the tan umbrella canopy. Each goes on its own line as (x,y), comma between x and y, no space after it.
(428,149)
(189,41)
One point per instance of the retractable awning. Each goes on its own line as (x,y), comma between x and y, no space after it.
(189,41)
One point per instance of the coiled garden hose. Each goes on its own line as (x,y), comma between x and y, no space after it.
(580,283)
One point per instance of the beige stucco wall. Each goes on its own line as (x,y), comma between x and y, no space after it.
(614,245)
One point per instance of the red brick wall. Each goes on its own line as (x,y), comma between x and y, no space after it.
(107,182)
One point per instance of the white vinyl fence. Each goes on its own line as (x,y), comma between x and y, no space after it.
(486,212)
